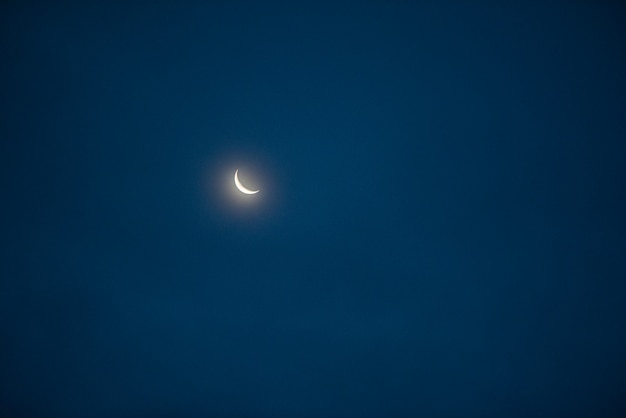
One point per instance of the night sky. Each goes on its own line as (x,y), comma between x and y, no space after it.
(440,232)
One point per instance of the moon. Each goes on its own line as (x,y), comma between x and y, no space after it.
(241,187)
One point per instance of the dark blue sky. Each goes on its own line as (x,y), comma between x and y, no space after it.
(440,230)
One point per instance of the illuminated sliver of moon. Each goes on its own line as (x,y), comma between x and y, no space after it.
(241,187)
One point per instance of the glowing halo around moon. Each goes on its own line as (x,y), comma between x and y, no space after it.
(241,187)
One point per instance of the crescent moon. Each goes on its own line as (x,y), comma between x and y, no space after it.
(241,187)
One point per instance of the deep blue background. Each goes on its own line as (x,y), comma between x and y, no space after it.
(440,232)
